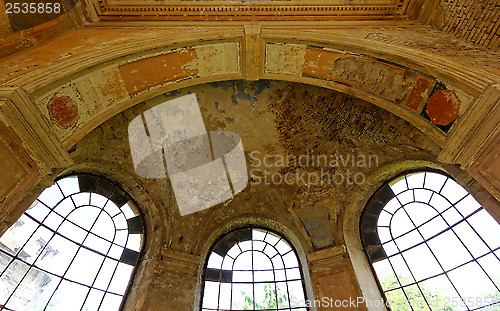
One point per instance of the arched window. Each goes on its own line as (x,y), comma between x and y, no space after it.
(432,246)
(253,269)
(75,248)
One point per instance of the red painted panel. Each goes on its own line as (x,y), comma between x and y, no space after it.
(443,107)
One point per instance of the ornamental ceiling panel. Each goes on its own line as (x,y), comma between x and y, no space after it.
(216,10)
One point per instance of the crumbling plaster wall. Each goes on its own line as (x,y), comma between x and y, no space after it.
(273,119)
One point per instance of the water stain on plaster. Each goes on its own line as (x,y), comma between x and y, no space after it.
(316,220)
(240,90)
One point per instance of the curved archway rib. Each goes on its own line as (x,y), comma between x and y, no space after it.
(94,88)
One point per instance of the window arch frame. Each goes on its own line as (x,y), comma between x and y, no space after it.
(90,183)
(372,246)
(222,235)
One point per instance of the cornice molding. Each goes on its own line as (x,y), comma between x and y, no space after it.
(179,262)
(326,259)
(248,10)
(29,150)
(36,136)
(245,45)
(475,130)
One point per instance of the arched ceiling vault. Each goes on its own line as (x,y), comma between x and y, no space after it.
(100,72)
(73,83)
(277,122)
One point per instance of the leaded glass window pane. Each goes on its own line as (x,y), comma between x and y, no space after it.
(253,269)
(436,248)
(72,249)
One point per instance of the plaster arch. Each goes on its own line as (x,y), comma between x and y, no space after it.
(102,72)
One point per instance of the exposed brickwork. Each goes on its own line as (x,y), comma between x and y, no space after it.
(475,21)
(273,118)
(431,40)
(398,85)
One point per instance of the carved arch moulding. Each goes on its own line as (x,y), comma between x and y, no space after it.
(78,84)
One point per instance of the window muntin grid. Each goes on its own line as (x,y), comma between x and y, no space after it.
(75,248)
(253,269)
(437,247)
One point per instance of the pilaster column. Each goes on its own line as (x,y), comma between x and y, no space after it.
(29,151)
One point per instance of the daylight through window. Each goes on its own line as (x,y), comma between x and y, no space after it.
(432,246)
(253,269)
(75,248)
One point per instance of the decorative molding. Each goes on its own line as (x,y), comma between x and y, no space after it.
(476,128)
(43,75)
(28,149)
(36,136)
(253,52)
(246,10)
(179,262)
(326,259)
(93,9)
(475,140)
(18,171)
(398,88)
